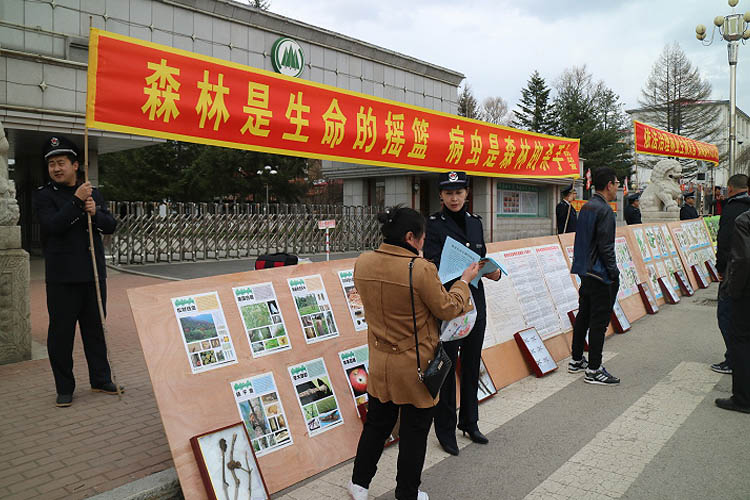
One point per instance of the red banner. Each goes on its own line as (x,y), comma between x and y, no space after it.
(143,88)
(578,205)
(652,141)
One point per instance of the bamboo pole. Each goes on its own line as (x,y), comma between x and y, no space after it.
(98,287)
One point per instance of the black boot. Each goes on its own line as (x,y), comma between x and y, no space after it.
(474,434)
(450,446)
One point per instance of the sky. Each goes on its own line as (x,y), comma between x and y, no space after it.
(498,44)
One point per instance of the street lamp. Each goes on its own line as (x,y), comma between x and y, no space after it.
(267,171)
(733,28)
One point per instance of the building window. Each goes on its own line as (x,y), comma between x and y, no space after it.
(520,200)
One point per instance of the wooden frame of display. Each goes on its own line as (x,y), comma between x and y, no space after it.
(685,287)
(667,291)
(620,321)
(532,353)
(712,271)
(700,276)
(203,468)
(649,303)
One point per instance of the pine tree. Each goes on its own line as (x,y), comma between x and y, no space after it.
(677,99)
(593,112)
(467,103)
(534,111)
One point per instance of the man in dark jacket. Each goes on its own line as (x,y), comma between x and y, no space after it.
(633,210)
(594,261)
(736,203)
(566,214)
(61,208)
(736,287)
(688,210)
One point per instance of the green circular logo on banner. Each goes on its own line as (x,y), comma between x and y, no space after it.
(287,57)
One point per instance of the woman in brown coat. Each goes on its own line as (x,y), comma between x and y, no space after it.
(382,280)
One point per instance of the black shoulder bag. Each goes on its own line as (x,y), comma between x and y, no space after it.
(441,365)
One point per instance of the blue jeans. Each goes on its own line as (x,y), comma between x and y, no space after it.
(724,315)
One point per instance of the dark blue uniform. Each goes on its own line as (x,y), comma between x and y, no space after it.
(561,211)
(687,212)
(439,226)
(71,292)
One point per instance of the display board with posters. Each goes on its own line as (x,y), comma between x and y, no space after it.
(315,395)
(537,305)
(204,331)
(694,242)
(353,300)
(261,316)
(262,412)
(640,239)
(313,308)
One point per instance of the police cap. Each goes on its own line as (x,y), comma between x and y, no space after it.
(566,190)
(452,180)
(633,197)
(689,194)
(59,145)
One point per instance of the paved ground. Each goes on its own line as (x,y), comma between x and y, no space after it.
(656,436)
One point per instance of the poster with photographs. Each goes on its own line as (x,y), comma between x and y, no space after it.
(355,363)
(261,410)
(261,316)
(653,277)
(204,331)
(652,242)
(661,269)
(669,241)
(313,308)
(712,226)
(315,396)
(640,239)
(628,273)
(486,385)
(227,463)
(353,301)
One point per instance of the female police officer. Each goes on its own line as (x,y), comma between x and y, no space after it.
(466,228)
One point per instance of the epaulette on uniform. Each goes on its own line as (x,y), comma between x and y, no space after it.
(437,215)
(476,216)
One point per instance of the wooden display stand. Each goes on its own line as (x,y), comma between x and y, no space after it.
(700,276)
(648,299)
(192,404)
(667,291)
(712,271)
(685,287)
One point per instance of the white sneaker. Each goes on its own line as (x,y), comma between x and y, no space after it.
(357,492)
(421,495)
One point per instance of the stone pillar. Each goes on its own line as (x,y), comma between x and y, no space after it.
(15,316)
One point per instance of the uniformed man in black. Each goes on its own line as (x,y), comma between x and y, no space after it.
(466,228)
(633,210)
(61,208)
(566,214)
(688,210)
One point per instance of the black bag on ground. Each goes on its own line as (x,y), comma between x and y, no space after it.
(441,365)
(275,260)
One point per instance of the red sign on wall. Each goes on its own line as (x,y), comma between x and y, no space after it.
(143,88)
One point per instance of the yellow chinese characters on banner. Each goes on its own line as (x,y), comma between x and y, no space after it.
(139,87)
(651,140)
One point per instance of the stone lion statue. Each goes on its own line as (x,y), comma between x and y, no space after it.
(664,188)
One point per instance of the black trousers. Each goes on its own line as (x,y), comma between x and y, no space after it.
(412,446)
(739,346)
(69,304)
(471,355)
(595,301)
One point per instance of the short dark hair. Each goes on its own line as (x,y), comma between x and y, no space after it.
(603,176)
(399,220)
(738,181)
